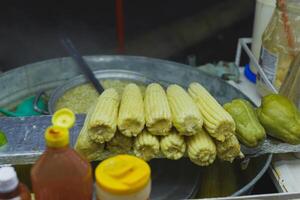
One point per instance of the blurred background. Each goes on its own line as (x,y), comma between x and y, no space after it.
(169,29)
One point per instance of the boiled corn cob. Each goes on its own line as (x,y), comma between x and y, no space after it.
(201,149)
(85,146)
(119,143)
(172,146)
(217,121)
(157,111)
(131,118)
(146,146)
(229,149)
(186,116)
(103,122)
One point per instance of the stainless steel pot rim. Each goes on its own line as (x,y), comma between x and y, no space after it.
(251,184)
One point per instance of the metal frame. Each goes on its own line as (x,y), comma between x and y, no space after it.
(243,45)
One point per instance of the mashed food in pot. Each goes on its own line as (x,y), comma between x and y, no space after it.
(80,98)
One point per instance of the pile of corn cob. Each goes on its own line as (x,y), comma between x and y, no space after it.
(171,123)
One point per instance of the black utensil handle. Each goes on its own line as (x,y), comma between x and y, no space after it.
(83,65)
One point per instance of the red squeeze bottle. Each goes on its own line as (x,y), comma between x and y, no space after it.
(10,187)
(61,173)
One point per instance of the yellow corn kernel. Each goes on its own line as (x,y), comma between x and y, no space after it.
(119,144)
(217,121)
(186,116)
(85,146)
(103,122)
(146,146)
(131,118)
(173,145)
(157,111)
(229,149)
(201,149)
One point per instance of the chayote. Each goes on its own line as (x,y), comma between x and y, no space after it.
(280,117)
(248,129)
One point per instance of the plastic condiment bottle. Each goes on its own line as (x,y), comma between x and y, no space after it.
(123,177)
(60,173)
(10,187)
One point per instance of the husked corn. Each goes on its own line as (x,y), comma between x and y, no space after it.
(217,121)
(131,118)
(103,122)
(119,143)
(85,146)
(201,149)
(173,145)
(146,146)
(157,111)
(229,149)
(186,116)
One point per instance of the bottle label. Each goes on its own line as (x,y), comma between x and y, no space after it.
(268,62)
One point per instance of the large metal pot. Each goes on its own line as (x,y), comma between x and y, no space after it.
(50,74)
(220,89)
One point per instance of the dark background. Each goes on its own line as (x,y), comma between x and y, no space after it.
(30,30)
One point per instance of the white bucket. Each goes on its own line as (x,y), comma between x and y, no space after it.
(263,13)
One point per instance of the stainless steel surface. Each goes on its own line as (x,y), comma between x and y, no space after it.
(249,186)
(25,137)
(29,79)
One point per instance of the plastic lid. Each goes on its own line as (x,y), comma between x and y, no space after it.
(56,136)
(64,118)
(249,74)
(8,179)
(122,174)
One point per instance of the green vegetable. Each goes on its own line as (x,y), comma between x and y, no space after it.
(280,117)
(248,129)
(3,139)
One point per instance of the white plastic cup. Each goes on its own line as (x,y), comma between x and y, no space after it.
(263,12)
(8,179)
(123,177)
(142,194)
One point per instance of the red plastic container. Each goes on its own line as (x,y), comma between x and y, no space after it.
(60,173)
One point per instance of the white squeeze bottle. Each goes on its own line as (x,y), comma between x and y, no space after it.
(10,187)
(123,177)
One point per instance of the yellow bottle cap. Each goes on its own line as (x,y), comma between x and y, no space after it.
(64,118)
(56,137)
(122,174)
